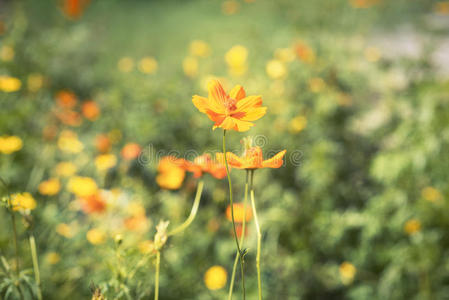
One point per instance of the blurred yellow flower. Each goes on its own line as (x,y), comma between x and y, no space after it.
(64,230)
(82,186)
(68,142)
(65,169)
(285,54)
(146,247)
(230,7)
(412,226)
(276,69)
(236,59)
(23,202)
(215,278)
(96,236)
(372,54)
(104,162)
(431,194)
(52,258)
(441,8)
(148,65)
(125,64)
(190,66)
(10,144)
(49,187)
(135,209)
(170,173)
(7,53)
(297,124)
(9,84)
(316,84)
(199,48)
(347,272)
(35,82)
(239,213)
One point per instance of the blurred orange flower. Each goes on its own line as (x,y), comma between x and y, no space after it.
(131,151)
(204,163)
(253,158)
(412,226)
(304,52)
(90,110)
(73,9)
(136,223)
(102,143)
(171,172)
(49,187)
(69,117)
(230,112)
(94,203)
(66,99)
(239,213)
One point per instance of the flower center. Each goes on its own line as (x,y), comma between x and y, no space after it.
(230,105)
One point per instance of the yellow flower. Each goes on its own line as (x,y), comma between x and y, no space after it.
(170,173)
(49,187)
(431,194)
(412,226)
(68,142)
(316,84)
(9,84)
(65,169)
(372,54)
(136,209)
(23,202)
(215,278)
(347,272)
(276,69)
(190,66)
(35,82)
(441,7)
(82,186)
(148,65)
(125,64)
(104,162)
(10,144)
(236,59)
(199,48)
(64,230)
(298,124)
(52,258)
(285,54)
(7,53)
(96,236)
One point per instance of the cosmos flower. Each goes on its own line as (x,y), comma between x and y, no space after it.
(204,163)
(233,111)
(171,173)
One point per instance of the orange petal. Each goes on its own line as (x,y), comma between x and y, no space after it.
(249,102)
(254,114)
(237,93)
(228,124)
(241,126)
(216,92)
(274,162)
(201,103)
(234,160)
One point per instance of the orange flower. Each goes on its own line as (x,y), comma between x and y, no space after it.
(93,204)
(205,163)
(69,117)
(73,9)
(90,110)
(230,112)
(171,173)
(136,223)
(102,143)
(66,99)
(239,213)
(253,159)
(131,151)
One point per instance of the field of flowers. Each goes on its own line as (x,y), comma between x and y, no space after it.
(224,149)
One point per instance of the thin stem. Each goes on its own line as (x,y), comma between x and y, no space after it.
(232,215)
(196,204)
(37,275)
(259,237)
(156,280)
(234,269)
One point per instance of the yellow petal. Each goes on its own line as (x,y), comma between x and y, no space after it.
(274,162)
(237,93)
(249,102)
(254,114)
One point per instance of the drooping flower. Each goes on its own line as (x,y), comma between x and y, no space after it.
(23,202)
(10,144)
(205,164)
(233,111)
(252,158)
(49,187)
(215,278)
(171,173)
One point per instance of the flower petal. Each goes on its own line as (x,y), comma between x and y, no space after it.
(274,162)
(241,125)
(249,102)
(254,114)
(216,93)
(237,93)
(234,160)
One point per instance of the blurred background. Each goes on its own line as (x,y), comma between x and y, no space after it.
(357,92)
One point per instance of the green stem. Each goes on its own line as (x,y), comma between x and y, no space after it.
(232,215)
(156,280)
(234,269)
(37,275)
(196,204)
(259,237)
